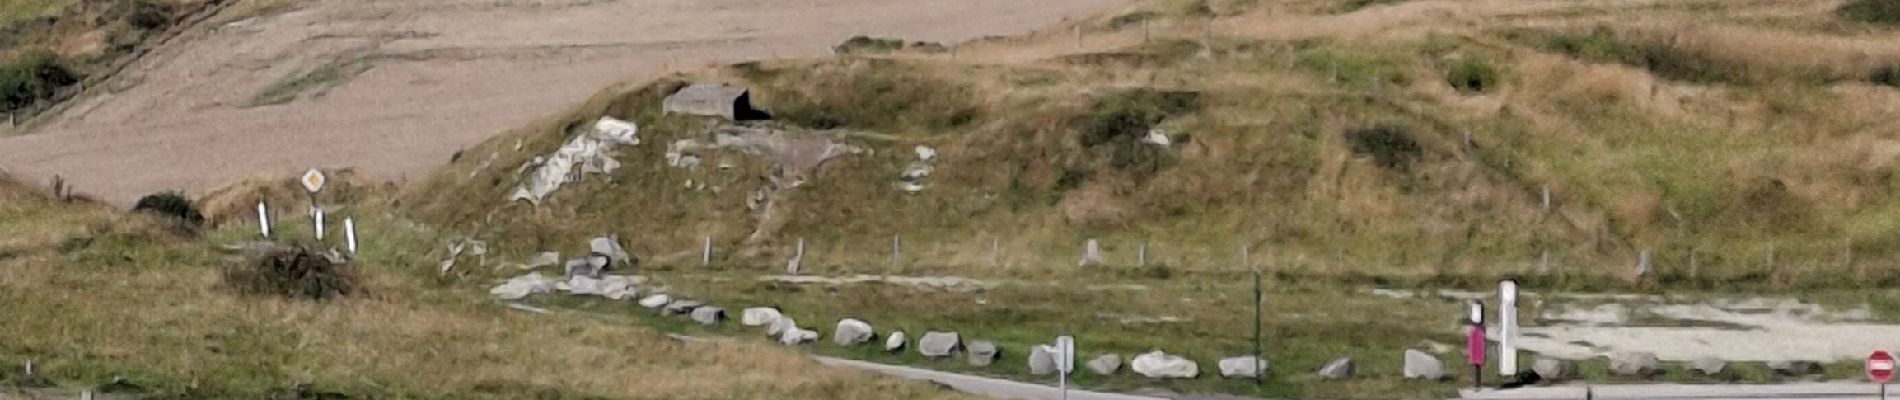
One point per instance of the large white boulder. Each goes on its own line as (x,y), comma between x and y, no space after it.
(709,315)
(939,344)
(1159,365)
(1422,365)
(1242,367)
(1042,359)
(1106,364)
(779,327)
(982,353)
(1637,364)
(656,301)
(852,332)
(796,336)
(758,316)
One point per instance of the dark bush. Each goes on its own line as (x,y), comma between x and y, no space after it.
(1124,20)
(32,76)
(866,44)
(1471,75)
(1129,114)
(1355,5)
(1389,147)
(1885,74)
(1871,11)
(170,204)
(296,273)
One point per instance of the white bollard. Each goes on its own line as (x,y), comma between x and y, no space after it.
(705,253)
(349,234)
(319,224)
(1507,327)
(263,220)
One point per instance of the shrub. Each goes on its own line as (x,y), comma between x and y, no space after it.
(866,44)
(1124,20)
(1885,74)
(1355,5)
(170,204)
(1390,147)
(1129,114)
(1471,75)
(296,273)
(1871,11)
(32,76)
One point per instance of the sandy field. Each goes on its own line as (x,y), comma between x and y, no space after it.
(442,75)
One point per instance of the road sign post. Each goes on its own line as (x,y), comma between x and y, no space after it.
(1474,344)
(1880,370)
(1065,362)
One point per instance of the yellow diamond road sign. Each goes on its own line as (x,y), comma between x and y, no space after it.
(312,180)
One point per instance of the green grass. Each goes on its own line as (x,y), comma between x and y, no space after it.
(1472,74)
(31,76)
(314,81)
(15,10)
(1871,11)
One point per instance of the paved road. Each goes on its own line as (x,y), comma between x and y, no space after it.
(981,386)
(1837,390)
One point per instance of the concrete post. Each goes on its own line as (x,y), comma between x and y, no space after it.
(705,252)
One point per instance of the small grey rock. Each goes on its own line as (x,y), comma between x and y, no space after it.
(1551,369)
(938,344)
(1708,366)
(1242,367)
(1422,365)
(1338,370)
(852,332)
(544,259)
(709,315)
(1633,364)
(982,353)
(656,301)
(758,316)
(1106,364)
(610,246)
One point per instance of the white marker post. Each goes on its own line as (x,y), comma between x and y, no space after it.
(319,221)
(1507,327)
(1065,362)
(263,220)
(705,253)
(349,234)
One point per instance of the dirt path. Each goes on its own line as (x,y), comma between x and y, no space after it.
(442,74)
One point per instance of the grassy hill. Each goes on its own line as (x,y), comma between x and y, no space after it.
(1744,143)
(94,293)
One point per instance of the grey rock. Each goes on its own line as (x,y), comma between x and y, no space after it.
(1042,360)
(781,326)
(982,353)
(895,342)
(1709,366)
(1793,368)
(709,315)
(610,246)
(1091,254)
(656,301)
(580,267)
(681,307)
(1159,365)
(544,259)
(852,332)
(939,344)
(1242,367)
(1551,369)
(1635,364)
(758,316)
(795,336)
(1422,365)
(1337,370)
(1106,364)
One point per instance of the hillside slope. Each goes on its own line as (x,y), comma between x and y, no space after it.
(94,294)
(1736,144)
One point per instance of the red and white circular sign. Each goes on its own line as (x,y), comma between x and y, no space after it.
(1880,367)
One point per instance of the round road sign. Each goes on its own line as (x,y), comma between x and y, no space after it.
(1880,367)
